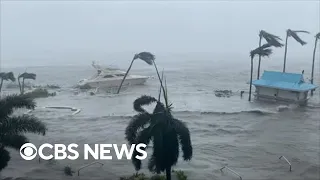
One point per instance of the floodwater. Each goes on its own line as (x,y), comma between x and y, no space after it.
(247,137)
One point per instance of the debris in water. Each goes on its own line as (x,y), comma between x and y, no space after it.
(68,171)
(223,93)
(282,108)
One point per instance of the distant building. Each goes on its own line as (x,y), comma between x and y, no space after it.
(279,86)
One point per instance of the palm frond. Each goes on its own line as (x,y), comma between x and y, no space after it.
(137,122)
(318,35)
(8,103)
(22,124)
(144,137)
(294,34)
(26,75)
(171,145)
(267,45)
(158,149)
(261,51)
(274,42)
(146,57)
(267,35)
(184,137)
(152,164)
(160,109)
(4,158)
(160,86)
(141,101)
(301,31)
(13,140)
(8,76)
(168,106)
(166,89)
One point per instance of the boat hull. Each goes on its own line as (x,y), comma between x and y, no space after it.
(113,83)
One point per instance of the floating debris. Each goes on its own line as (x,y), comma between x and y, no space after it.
(75,110)
(282,108)
(223,93)
(68,171)
(49,86)
(40,93)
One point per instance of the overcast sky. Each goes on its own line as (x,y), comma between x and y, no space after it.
(34,32)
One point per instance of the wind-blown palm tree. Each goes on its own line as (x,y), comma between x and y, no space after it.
(292,33)
(149,58)
(271,39)
(166,132)
(6,77)
(262,51)
(24,76)
(12,128)
(313,57)
(145,56)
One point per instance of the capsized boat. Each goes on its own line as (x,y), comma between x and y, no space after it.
(110,77)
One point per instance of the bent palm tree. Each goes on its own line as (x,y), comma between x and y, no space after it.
(313,57)
(292,33)
(6,77)
(262,51)
(166,132)
(12,128)
(271,39)
(24,76)
(149,58)
(145,56)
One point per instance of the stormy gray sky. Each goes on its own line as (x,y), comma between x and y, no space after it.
(49,32)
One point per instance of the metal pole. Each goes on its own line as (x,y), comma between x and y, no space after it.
(231,171)
(287,161)
(88,166)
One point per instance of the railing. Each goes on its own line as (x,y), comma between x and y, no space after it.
(286,160)
(96,162)
(231,171)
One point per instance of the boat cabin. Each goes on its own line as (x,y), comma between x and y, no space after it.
(279,86)
(108,73)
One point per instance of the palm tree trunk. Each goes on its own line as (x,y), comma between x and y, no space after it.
(161,84)
(258,75)
(160,87)
(125,76)
(1,85)
(22,89)
(251,79)
(285,54)
(313,59)
(168,173)
(19,86)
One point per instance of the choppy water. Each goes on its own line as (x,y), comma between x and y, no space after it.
(247,137)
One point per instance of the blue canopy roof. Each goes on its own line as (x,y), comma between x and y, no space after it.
(284,81)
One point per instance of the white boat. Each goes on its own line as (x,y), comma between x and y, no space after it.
(110,77)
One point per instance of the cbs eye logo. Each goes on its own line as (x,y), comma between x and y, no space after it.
(28,151)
